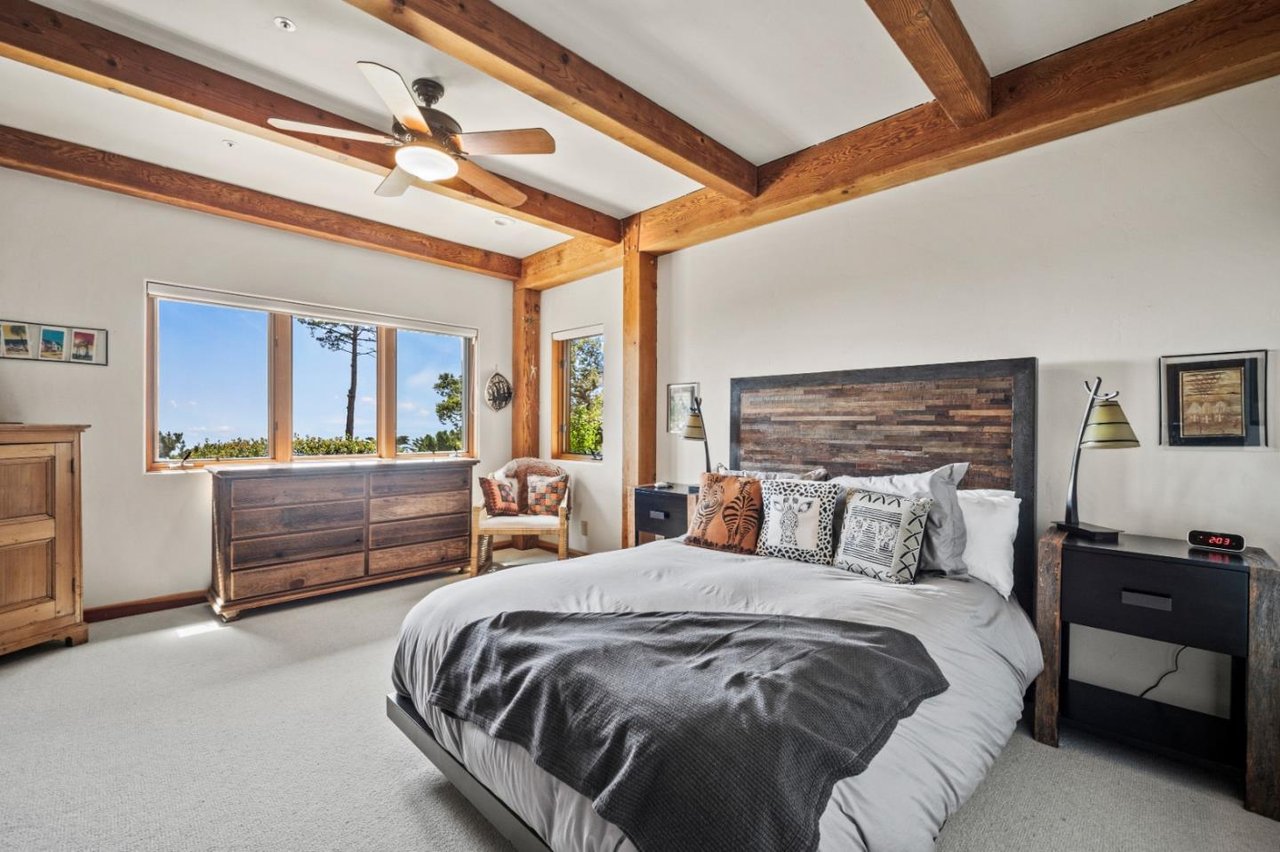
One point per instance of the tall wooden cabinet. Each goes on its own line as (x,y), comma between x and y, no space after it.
(40,585)
(284,532)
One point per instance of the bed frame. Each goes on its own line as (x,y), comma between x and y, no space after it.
(854,422)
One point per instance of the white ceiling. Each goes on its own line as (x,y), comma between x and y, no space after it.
(762,77)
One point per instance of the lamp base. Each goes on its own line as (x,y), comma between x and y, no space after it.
(1090,532)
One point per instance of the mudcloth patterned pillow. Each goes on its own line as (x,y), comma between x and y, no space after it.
(727,516)
(546,493)
(883,535)
(499,496)
(798,519)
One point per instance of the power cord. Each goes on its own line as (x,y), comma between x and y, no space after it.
(1160,680)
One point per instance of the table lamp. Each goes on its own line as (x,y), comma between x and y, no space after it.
(695,431)
(1104,428)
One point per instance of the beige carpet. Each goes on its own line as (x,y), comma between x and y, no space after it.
(171,731)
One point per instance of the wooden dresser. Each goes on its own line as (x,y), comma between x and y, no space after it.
(294,531)
(40,585)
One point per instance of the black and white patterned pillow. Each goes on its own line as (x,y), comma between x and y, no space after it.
(883,535)
(798,519)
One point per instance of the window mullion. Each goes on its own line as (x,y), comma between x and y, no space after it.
(386,392)
(281,387)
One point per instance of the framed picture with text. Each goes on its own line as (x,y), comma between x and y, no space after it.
(1217,399)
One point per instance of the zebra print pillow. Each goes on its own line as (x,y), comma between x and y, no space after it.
(727,516)
(883,535)
(798,519)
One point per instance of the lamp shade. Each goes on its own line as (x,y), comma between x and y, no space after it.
(426,162)
(693,428)
(1107,428)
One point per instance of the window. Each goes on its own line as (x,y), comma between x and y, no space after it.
(579,386)
(234,377)
(431,372)
(198,411)
(335,386)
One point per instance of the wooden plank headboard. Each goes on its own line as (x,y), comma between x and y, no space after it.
(897,420)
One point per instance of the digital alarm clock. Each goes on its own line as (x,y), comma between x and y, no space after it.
(1205,540)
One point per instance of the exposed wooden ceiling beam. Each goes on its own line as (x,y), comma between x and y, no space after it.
(501,45)
(47,39)
(43,155)
(938,46)
(1194,50)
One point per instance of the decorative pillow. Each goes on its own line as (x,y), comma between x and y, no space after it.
(883,535)
(728,514)
(798,519)
(546,493)
(499,496)
(818,474)
(944,537)
(991,525)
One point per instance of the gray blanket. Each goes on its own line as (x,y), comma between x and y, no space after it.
(690,730)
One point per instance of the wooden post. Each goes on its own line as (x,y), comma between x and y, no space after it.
(1049,626)
(1262,749)
(639,370)
(526,341)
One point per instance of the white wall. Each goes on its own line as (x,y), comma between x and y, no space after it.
(79,256)
(597,485)
(1096,254)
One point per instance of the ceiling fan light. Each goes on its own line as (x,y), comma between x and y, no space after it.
(426,163)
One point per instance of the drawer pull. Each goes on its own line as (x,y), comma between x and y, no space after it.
(1147,599)
(658,514)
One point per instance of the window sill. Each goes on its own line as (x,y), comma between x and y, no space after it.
(578,459)
(308,462)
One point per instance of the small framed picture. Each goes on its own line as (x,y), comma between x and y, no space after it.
(17,339)
(679,403)
(1214,400)
(84,345)
(53,343)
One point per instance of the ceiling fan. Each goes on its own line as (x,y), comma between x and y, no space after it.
(429,144)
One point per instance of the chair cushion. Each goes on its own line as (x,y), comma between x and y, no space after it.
(546,493)
(499,496)
(534,523)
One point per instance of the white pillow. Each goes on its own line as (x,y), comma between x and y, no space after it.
(991,525)
(945,535)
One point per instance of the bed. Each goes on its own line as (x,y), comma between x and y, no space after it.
(856,422)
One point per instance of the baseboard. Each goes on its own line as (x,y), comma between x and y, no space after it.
(138,607)
(551,548)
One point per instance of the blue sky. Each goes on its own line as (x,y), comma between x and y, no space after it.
(213,377)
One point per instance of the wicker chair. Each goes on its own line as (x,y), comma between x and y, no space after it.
(484,526)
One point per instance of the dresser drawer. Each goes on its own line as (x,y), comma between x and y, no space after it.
(288,490)
(419,481)
(391,559)
(1184,604)
(418,505)
(666,515)
(255,552)
(279,520)
(297,575)
(417,531)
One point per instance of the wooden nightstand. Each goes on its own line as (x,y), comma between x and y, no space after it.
(1162,589)
(663,511)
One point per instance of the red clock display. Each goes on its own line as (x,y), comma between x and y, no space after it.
(1232,542)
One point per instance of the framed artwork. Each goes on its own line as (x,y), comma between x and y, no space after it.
(63,343)
(679,403)
(53,343)
(1217,399)
(17,339)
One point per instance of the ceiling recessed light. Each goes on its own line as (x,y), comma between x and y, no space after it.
(229,143)
(503,221)
(285,24)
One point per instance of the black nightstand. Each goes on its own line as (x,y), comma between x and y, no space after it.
(662,511)
(1162,589)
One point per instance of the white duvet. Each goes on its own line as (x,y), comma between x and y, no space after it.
(984,645)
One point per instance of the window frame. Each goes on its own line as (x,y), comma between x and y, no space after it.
(280,380)
(560,397)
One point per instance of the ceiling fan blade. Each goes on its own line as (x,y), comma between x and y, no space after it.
(490,184)
(533,140)
(391,87)
(320,130)
(394,184)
